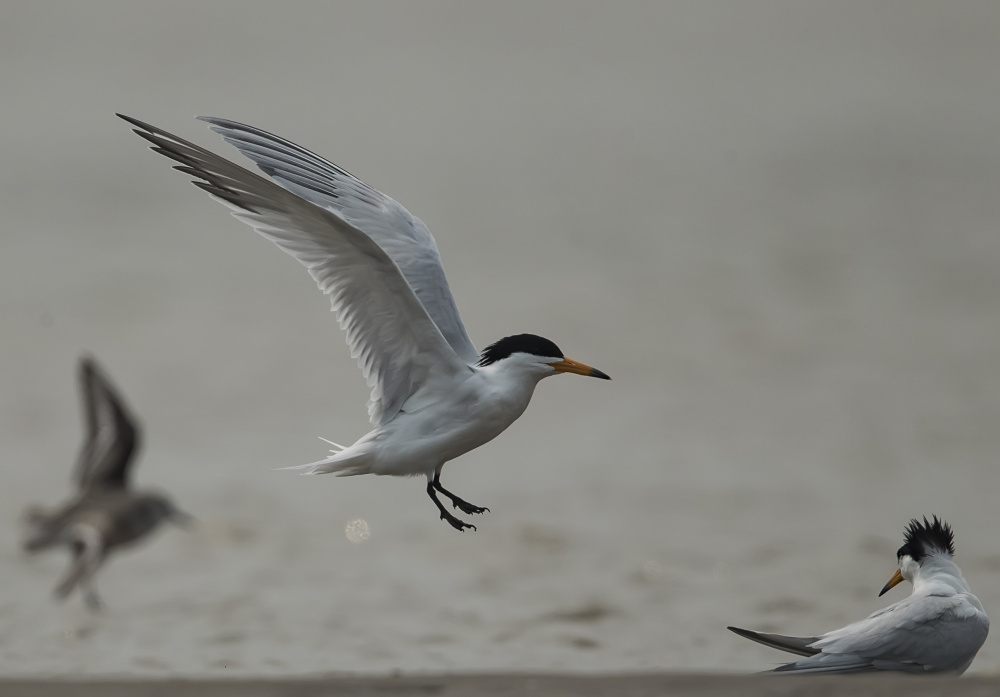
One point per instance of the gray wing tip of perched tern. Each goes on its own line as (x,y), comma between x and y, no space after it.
(797,645)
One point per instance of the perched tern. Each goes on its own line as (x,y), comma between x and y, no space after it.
(104,514)
(939,628)
(434,397)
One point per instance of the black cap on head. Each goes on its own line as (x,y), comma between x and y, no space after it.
(926,538)
(519,343)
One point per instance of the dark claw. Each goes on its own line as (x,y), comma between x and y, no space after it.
(458,503)
(456,523)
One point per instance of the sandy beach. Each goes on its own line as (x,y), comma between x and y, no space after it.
(774,224)
(676,685)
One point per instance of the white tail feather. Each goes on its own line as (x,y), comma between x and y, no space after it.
(342,467)
(339,448)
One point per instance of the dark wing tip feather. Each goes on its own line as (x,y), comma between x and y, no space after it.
(218,124)
(142,128)
(216,121)
(134,122)
(214,190)
(187,154)
(248,139)
(791,644)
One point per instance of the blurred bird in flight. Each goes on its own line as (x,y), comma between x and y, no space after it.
(104,514)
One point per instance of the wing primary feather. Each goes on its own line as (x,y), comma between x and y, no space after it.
(269,141)
(402,236)
(390,331)
(846,667)
(791,644)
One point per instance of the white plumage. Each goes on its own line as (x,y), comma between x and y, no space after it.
(433,396)
(939,628)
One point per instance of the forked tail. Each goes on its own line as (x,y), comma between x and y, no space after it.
(341,462)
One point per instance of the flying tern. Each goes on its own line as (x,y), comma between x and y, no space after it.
(104,514)
(434,397)
(939,628)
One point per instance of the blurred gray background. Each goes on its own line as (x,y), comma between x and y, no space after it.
(773,223)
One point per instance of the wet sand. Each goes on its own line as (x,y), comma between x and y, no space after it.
(527,685)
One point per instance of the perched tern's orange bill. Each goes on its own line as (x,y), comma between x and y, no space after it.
(568,365)
(896,579)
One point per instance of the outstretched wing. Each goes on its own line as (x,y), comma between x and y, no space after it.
(397,345)
(111,434)
(403,236)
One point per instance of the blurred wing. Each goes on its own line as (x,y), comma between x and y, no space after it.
(397,345)
(111,434)
(404,237)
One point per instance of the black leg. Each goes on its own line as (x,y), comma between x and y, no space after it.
(458,503)
(445,515)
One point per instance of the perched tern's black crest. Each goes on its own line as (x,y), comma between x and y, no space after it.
(926,538)
(519,343)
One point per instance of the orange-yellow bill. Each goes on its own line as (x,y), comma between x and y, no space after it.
(896,579)
(568,365)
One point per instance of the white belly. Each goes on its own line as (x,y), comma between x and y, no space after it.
(436,431)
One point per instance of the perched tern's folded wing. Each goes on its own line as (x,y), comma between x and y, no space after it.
(402,235)
(922,633)
(396,343)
